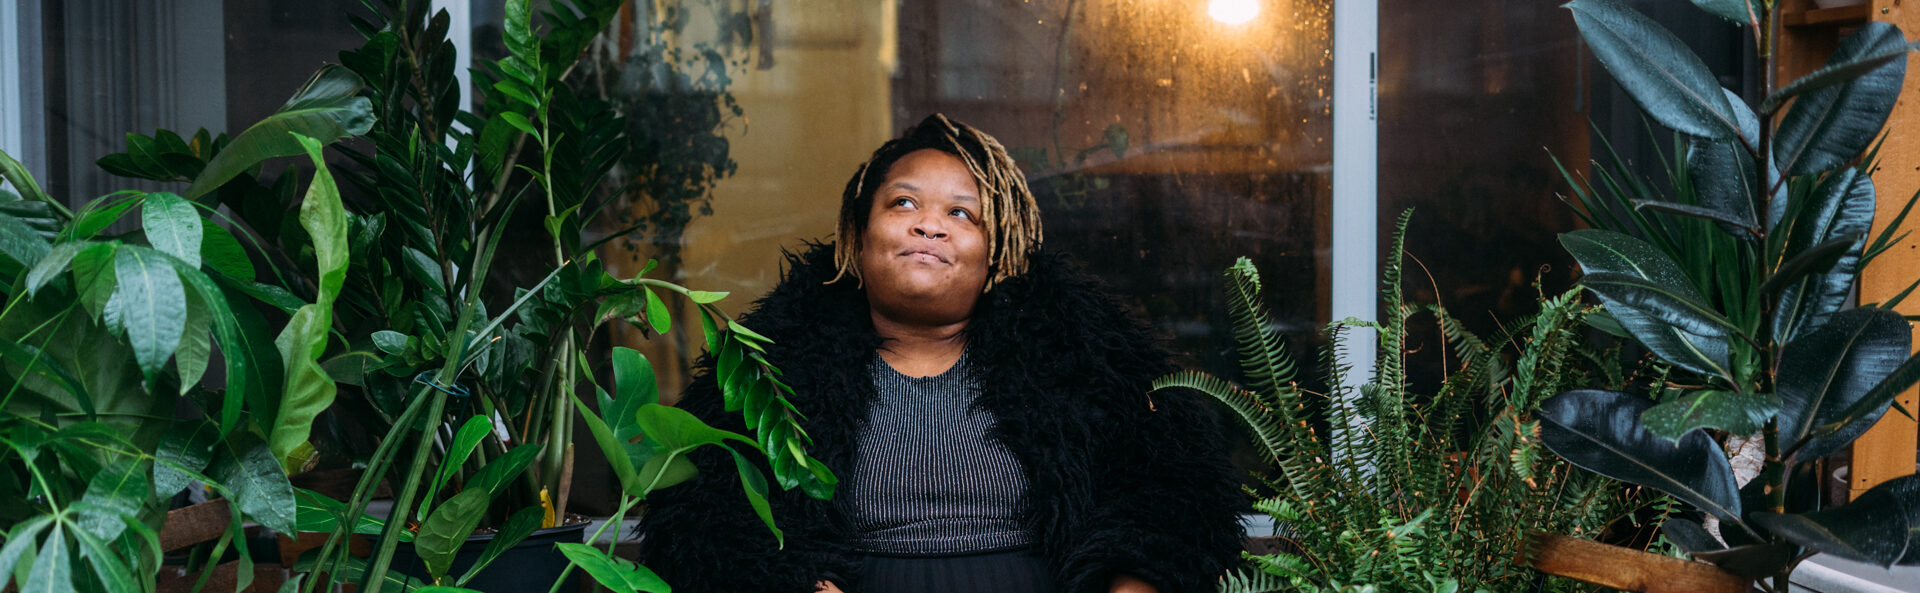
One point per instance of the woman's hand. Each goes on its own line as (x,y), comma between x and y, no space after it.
(826,587)
(1126,583)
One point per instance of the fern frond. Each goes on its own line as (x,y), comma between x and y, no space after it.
(1255,414)
(1259,582)
(1263,353)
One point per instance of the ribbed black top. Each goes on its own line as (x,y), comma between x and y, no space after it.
(927,479)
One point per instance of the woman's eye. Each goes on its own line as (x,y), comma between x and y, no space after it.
(962,213)
(902,202)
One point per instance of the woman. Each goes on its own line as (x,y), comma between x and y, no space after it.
(984,405)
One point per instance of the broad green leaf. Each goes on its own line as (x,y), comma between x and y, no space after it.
(91,221)
(1873,528)
(518,33)
(53,568)
(519,122)
(389,341)
(172,226)
(1736,413)
(308,389)
(148,305)
(244,464)
(1834,73)
(1827,128)
(325,109)
(1817,259)
(116,496)
(1857,418)
(1844,207)
(19,241)
(1724,176)
(657,315)
(663,471)
(316,513)
(442,533)
(634,381)
(44,366)
(196,343)
(612,447)
(517,528)
(1601,431)
(110,567)
(16,174)
(470,435)
(1670,83)
(617,574)
(703,297)
(53,263)
(676,429)
(1821,375)
(1600,251)
(189,446)
(1665,303)
(502,469)
(222,251)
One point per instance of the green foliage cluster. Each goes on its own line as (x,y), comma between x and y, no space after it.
(1407,492)
(1738,282)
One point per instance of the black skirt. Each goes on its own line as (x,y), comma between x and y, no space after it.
(1013,571)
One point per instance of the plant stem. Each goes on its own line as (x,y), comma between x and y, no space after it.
(362,491)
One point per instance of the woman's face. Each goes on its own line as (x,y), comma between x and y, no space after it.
(923,256)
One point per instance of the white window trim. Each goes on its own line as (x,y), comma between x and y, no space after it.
(1356,143)
(22,90)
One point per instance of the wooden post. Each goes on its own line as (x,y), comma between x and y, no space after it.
(1887,450)
(1623,568)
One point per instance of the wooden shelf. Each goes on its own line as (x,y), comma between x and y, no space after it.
(1845,15)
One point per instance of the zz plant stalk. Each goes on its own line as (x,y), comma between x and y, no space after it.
(1738,281)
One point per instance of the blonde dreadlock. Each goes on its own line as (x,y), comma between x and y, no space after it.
(1008,213)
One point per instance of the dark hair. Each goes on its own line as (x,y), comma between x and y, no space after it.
(1008,213)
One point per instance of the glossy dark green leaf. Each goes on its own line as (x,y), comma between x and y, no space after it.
(326,109)
(1734,226)
(148,304)
(1829,127)
(1824,373)
(1873,528)
(1739,11)
(1601,431)
(239,334)
(469,436)
(615,449)
(115,572)
(189,446)
(1751,561)
(1843,206)
(316,513)
(54,263)
(21,537)
(1600,251)
(1818,259)
(617,574)
(243,463)
(1689,536)
(1671,84)
(1665,303)
(1737,413)
(442,533)
(516,529)
(172,226)
(664,471)
(1834,72)
(1725,181)
(1862,414)
(18,240)
(17,174)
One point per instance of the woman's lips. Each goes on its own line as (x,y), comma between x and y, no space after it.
(924,256)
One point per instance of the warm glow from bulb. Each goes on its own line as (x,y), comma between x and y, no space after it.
(1233,12)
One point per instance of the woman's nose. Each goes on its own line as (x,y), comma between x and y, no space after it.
(929,227)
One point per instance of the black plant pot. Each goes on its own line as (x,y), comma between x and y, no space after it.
(528,567)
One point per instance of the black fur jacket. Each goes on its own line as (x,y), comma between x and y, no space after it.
(1119,481)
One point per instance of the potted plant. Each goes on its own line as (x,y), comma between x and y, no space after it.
(104,335)
(1738,283)
(1407,491)
(474,368)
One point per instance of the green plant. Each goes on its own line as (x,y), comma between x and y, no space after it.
(1406,492)
(1738,283)
(478,406)
(103,335)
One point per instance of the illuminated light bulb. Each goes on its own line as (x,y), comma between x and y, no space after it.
(1233,12)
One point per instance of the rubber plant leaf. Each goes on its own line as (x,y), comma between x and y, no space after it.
(1737,413)
(1739,11)
(1843,206)
(1874,528)
(1670,83)
(1825,372)
(1600,251)
(326,109)
(1828,127)
(1601,431)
